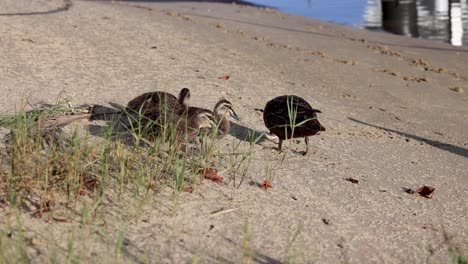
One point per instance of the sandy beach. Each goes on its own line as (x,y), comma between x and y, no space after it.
(395,110)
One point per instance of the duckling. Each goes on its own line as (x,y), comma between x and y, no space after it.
(153,103)
(290,116)
(180,128)
(195,121)
(222,108)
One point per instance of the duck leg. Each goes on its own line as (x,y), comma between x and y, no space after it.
(307,146)
(280,144)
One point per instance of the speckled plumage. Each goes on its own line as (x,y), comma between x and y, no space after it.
(152,104)
(163,113)
(222,108)
(189,126)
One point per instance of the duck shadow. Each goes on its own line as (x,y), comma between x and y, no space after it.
(246,134)
(113,123)
(440,145)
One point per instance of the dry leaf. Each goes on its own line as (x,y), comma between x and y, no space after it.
(266,185)
(211,175)
(225,77)
(352,180)
(188,189)
(61,219)
(426,191)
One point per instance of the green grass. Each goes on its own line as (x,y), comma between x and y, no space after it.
(52,161)
(51,169)
(458,259)
(247,251)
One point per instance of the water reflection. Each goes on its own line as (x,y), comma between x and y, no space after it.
(456,24)
(400,18)
(442,20)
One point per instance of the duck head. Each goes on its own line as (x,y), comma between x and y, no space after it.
(184,97)
(223,108)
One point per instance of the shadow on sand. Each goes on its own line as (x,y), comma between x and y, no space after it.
(443,146)
(246,134)
(113,123)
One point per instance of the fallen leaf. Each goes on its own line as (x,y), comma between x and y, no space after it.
(211,175)
(426,191)
(265,185)
(352,180)
(225,77)
(188,189)
(61,219)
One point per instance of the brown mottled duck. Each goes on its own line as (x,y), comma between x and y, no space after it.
(149,104)
(177,128)
(222,109)
(189,126)
(290,116)
(158,111)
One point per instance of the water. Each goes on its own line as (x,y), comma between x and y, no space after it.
(441,20)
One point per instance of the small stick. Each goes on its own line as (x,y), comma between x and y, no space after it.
(218,213)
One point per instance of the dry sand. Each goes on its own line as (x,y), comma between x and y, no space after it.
(395,109)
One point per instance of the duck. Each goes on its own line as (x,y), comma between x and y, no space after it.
(153,103)
(290,116)
(153,111)
(221,110)
(189,126)
(179,129)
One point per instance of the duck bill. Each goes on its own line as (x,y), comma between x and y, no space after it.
(234,115)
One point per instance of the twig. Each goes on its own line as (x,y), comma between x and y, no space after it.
(218,213)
